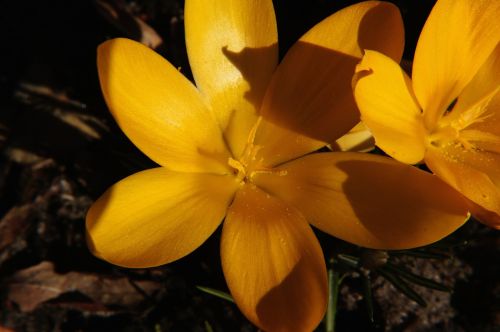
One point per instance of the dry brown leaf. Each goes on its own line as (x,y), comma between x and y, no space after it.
(118,14)
(13,226)
(22,156)
(63,108)
(40,283)
(80,122)
(50,93)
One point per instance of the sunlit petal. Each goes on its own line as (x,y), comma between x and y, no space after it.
(233,51)
(358,139)
(474,173)
(489,218)
(477,111)
(388,107)
(157,216)
(484,84)
(456,40)
(159,109)
(309,102)
(484,132)
(273,263)
(369,200)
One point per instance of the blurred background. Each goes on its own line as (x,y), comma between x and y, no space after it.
(60,149)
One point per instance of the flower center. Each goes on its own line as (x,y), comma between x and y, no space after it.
(250,163)
(443,136)
(460,129)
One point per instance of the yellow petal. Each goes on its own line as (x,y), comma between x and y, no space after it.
(485,84)
(233,51)
(368,200)
(309,102)
(474,173)
(157,216)
(159,110)
(484,132)
(474,131)
(477,111)
(489,218)
(456,40)
(388,107)
(273,263)
(358,139)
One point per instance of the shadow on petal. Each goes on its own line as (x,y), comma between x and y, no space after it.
(377,39)
(310,94)
(245,61)
(297,304)
(313,96)
(400,205)
(237,108)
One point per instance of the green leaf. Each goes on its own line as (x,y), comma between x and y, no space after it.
(401,285)
(216,292)
(349,260)
(334,281)
(367,290)
(416,279)
(208,327)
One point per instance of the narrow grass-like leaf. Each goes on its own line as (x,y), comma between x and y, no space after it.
(349,260)
(334,281)
(216,292)
(401,285)
(208,327)
(416,279)
(367,290)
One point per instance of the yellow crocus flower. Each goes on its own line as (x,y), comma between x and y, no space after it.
(448,114)
(238,146)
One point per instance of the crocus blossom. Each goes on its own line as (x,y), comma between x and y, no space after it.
(448,114)
(238,146)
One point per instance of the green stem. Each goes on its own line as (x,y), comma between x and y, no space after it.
(334,281)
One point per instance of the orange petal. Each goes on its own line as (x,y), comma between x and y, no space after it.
(368,200)
(310,100)
(159,110)
(475,174)
(233,51)
(157,216)
(273,263)
(456,40)
(477,112)
(388,107)
(485,84)
(489,218)
(484,132)
(475,130)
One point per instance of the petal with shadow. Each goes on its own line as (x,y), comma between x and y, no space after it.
(233,51)
(475,174)
(368,200)
(309,102)
(273,263)
(455,42)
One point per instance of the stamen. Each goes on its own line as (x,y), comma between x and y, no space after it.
(279,172)
(241,171)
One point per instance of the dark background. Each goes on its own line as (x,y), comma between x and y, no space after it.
(60,149)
